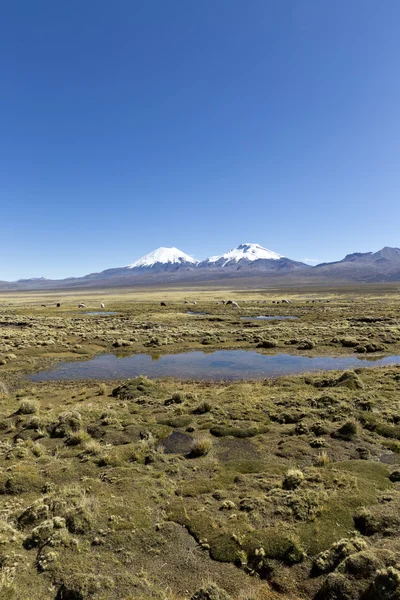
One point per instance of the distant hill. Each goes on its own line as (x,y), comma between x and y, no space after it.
(246,262)
(381,266)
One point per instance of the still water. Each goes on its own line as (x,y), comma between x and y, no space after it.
(211,366)
(265,318)
(99,312)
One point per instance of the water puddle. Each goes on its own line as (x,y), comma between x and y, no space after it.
(211,366)
(99,312)
(190,312)
(267,318)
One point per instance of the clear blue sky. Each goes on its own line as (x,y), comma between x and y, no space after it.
(129,125)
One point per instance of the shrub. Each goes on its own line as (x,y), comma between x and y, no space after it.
(92,448)
(117,456)
(395,475)
(327,561)
(317,443)
(335,587)
(33,423)
(67,592)
(322,459)
(211,592)
(78,437)
(365,404)
(361,564)
(133,388)
(38,449)
(349,342)
(202,408)
(176,398)
(360,349)
(22,479)
(292,479)
(176,422)
(201,446)
(375,348)
(41,534)
(227,505)
(79,519)
(349,380)
(8,590)
(383,519)
(267,344)
(371,422)
(28,407)
(319,428)
(347,431)
(67,423)
(363,453)
(386,585)
(306,345)
(294,416)
(37,511)
(301,428)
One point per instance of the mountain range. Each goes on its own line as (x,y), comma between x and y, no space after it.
(245,261)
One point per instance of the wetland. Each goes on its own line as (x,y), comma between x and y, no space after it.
(190,460)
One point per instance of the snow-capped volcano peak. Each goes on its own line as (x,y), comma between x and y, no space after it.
(246,252)
(163,256)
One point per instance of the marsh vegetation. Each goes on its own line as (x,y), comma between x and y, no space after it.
(213,490)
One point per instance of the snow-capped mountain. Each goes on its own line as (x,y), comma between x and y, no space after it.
(248,262)
(252,259)
(164,259)
(241,254)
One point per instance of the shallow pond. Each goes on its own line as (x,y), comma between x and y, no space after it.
(265,318)
(191,312)
(99,312)
(211,366)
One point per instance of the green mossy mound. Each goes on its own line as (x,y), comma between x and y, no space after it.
(238,432)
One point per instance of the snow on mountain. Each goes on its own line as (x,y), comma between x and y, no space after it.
(163,257)
(244,252)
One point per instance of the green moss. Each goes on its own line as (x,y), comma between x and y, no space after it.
(275,546)
(335,520)
(197,487)
(254,466)
(372,423)
(371,475)
(349,380)
(176,422)
(23,478)
(222,546)
(225,547)
(134,388)
(239,432)
(230,500)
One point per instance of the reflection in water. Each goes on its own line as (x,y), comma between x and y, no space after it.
(98,312)
(265,318)
(221,364)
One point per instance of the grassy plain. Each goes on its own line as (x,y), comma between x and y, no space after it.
(281,488)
